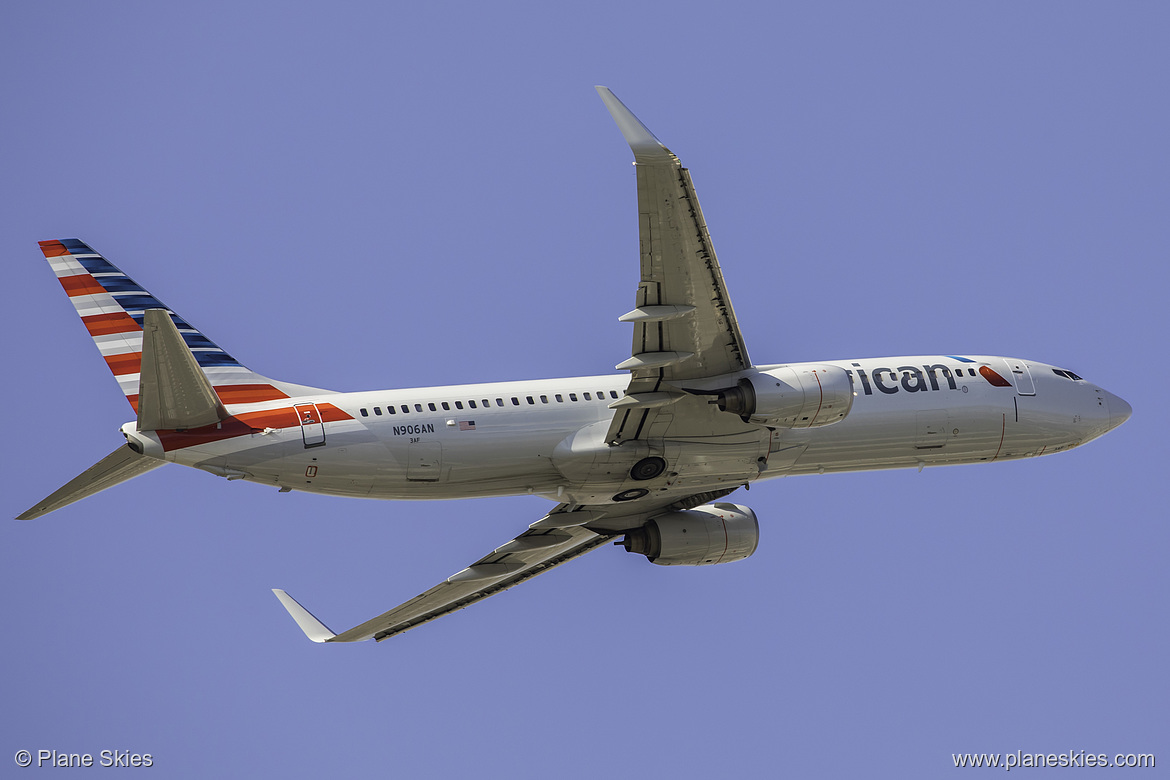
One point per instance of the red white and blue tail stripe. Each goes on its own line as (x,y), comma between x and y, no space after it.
(112,306)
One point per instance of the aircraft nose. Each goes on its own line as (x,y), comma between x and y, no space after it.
(1119,410)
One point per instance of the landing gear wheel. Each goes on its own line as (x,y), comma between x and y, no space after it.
(630,495)
(648,468)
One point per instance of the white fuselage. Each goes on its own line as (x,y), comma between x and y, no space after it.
(545,436)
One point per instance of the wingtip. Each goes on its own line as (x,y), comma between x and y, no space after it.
(314,629)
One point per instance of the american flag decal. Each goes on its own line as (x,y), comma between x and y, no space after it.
(467,425)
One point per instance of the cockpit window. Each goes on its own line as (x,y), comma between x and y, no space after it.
(1066,374)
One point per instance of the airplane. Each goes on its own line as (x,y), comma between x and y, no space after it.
(644,459)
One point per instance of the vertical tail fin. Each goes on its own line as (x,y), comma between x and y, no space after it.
(112,307)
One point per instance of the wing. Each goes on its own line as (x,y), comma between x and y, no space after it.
(684,324)
(558,537)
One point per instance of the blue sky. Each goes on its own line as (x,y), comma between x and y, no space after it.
(366,195)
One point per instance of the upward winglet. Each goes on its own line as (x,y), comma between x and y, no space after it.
(314,629)
(646,147)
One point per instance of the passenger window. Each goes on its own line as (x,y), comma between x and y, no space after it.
(573,397)
(971,371)
(418,407)
(499,402)
(587,398)
(432,407)
(487,403)
(378,410)
(471,404)
(530,400)
(390,409)
(446,407)
(544,399)
(365,413)
(405,409)
(458,404)
(613,394)
(559,399)
(515,401)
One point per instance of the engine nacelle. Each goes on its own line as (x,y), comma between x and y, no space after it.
(712,533)
(806,395)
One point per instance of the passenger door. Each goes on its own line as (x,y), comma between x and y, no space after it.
(312,428)
(1021,377)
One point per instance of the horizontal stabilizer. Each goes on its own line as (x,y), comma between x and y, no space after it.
(314,629)
(173,391)
(120,465)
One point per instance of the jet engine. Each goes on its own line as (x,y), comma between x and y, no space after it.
(805,395)
(712,533)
